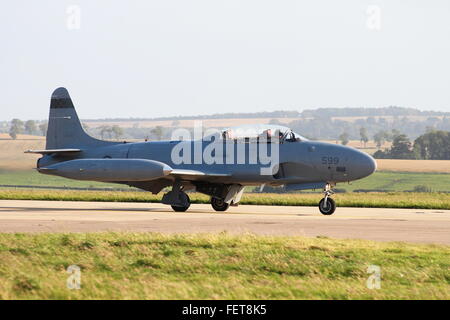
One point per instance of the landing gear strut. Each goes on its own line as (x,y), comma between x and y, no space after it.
(177,198)
(219,204)
(327,206)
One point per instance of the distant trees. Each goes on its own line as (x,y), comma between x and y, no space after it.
(364,138)
(401,149)
(434,145)
(30,127)
(110,132)
(380,138)
(157,132)
(117,131)
(368,112)
(16,128)
(344,138)
(394,133)
(105,130)
(321,128)
(43,128)
(275,121)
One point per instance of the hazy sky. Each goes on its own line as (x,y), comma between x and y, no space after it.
(183,57)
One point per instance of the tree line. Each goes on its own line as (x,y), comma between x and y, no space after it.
(433,145)
(331,129)
(30,127)
(394,111)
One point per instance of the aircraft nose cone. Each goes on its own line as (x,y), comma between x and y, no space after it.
(371,164)
(363,165)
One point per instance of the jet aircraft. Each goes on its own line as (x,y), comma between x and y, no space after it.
(219,165)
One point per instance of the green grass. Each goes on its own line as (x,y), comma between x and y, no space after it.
(401,181)
(34,178)
(368,200)
(219,266)
(387,181)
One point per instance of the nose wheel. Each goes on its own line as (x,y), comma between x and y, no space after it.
(327,206)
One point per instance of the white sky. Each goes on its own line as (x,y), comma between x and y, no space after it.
(188,57)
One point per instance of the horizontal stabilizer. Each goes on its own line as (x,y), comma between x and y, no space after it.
(49,151)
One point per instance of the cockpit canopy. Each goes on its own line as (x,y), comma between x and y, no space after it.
(262,132)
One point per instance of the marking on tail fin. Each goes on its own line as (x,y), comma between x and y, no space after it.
(61,99)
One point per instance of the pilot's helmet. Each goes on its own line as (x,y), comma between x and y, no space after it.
(280,134)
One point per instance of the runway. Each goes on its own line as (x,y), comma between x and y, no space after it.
(411,225)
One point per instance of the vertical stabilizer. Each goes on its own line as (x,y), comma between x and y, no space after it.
(64,127)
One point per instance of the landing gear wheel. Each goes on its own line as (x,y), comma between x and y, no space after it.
(219,204)
(188,201)
(327,208)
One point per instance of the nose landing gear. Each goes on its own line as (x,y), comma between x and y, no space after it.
(327,205)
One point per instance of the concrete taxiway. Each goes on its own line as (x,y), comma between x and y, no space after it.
(411,225)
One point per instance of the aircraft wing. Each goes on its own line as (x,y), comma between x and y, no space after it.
(49,151)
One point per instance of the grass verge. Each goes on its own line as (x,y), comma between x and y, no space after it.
(217,266)
(364,200)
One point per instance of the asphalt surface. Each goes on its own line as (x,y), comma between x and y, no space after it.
(411,225)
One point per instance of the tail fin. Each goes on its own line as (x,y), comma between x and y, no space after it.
(64,127)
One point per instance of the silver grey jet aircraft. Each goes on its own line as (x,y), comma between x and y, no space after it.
(219,165)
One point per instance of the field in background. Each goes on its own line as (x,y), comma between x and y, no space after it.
(33,178)
(394,165)
(217,266)
(400,181)
(11,151)
(423,200)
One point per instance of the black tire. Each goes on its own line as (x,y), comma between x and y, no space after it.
(182,209)
(219,204)
(329,210)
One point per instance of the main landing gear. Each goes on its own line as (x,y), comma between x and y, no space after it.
(185,200)
(219,204)
(177,198)
(327,206)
